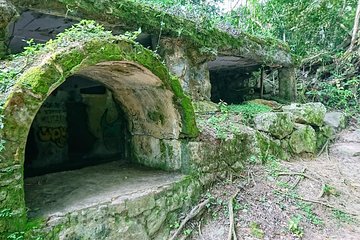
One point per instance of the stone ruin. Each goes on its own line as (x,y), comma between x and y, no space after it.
(101,139)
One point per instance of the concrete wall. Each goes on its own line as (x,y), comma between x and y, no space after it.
(80,123)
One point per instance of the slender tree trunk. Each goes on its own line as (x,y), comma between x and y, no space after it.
(356,27)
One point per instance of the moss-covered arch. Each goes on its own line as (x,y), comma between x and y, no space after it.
(49,70)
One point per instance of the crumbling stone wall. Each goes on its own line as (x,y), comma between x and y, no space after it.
(7,14)
(153,90)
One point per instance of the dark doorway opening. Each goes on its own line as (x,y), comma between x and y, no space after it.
(235,85)
(80,124)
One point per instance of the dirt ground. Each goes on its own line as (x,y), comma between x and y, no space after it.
(305,198)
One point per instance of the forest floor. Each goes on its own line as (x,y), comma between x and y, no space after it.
(305,198)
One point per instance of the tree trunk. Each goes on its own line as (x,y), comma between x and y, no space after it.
(356,27)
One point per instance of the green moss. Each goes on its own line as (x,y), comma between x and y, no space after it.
(186,109)
(269,147)
(40,79)
(72,59)
(134,15)
(156,116)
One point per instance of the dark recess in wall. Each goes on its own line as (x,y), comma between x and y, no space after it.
(234,85)
(80,124)
(42,27)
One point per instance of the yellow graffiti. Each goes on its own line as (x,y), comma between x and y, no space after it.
(57,135)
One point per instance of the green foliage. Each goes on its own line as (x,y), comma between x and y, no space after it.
(294,226)
(227,121)
(330,190)
(7,79)
(342,95)
(342,217)
(32,48)
(6,213)
(28,232)
(248,110)
(308,26)
(309,213)
(256,230)
(206,13)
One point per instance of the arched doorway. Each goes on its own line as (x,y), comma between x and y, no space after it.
(153,102)
(88,128)
(80,124)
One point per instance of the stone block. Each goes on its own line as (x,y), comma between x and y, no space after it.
(336,120)
(309,113)
(278,124)
(303,139)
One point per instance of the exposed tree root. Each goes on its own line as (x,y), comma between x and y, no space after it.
(299,174)
(193,213)
(326,205)
(232,233)
(325,147)
(298,179)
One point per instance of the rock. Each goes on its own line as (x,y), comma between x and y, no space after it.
(324,134)
(303,139)
(278,124)
(336,120)
(308,113)
(7,13)
(205,107)
(270,147)
(348,149)
(155,220)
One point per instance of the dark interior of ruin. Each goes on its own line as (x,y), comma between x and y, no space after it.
(80,124)
(42,27)
(234,80)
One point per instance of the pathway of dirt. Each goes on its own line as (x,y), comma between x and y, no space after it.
(276,202)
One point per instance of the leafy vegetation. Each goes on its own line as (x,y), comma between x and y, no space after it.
(342,217)
(295,227)
(317,31)
(226,122)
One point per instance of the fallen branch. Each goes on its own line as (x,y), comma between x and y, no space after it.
(326,205)
(193,213)
(232,233)
(298,179)
(323,148)
(200,232)
(299,174)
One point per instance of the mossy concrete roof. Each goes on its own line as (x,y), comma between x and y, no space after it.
(135,15)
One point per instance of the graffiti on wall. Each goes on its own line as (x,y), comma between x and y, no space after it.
(52,123)
(56,135)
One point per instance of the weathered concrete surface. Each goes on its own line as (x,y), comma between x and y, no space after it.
(52,66)
(134,15)
(110,202)
(287,83)
(57,194)
(189,65)
(141,95)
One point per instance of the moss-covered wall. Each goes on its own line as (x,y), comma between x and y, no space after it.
(189,65)
(50,67)
(134,15)
(7,14)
